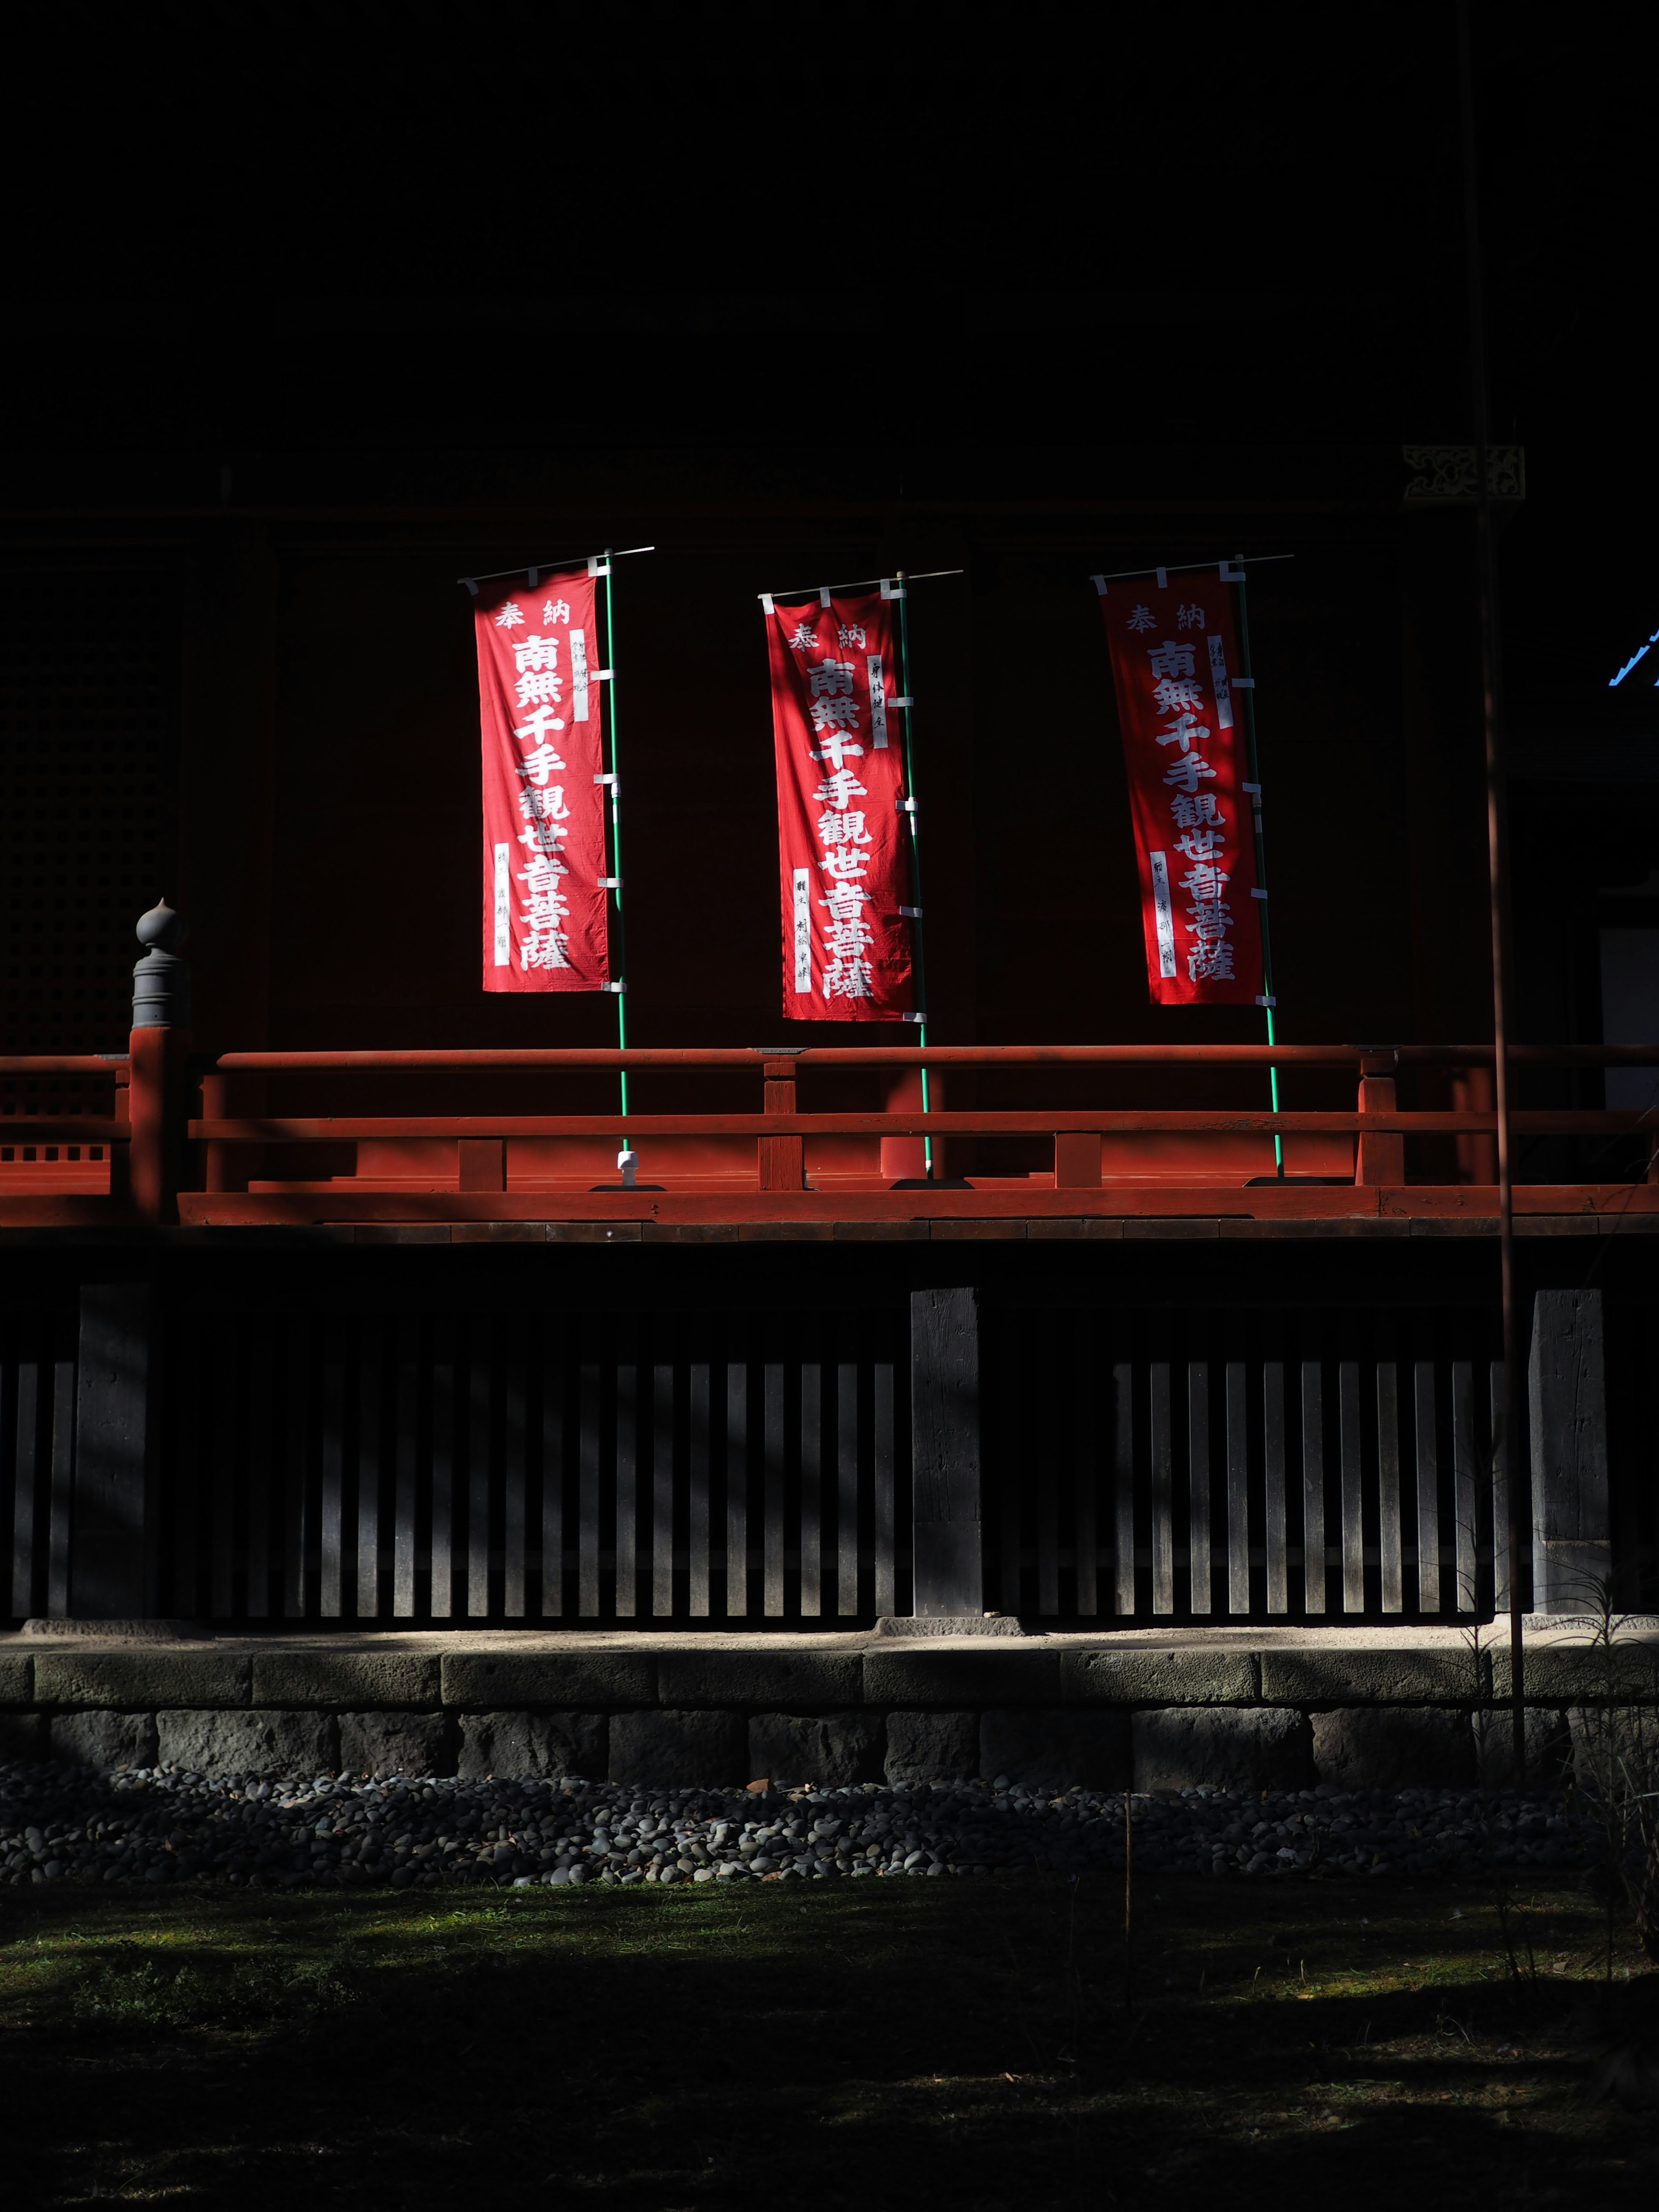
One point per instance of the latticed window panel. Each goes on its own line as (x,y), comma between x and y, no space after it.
(90,703)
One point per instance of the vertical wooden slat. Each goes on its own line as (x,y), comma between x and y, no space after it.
(25,1512)
(189,1535)
(847,1489)
(772,1527)
(1389,1544)
(1428,1485)
(587,1475)
(1466,1459)
(662,1485)
(1501,1562)
(628,1471)
(737,1489)
(1200,1597)
(1353,1527)
(811,1486)
(1041,1413)
(1274,1500)
(480,1393)
(443,1469)
(884,1414)
(1162,1488)
(1124,1483)
(222,1461)
(261,1409)
(296,1463)
(370,1376)
(698,1476)
(62,1478)
(1086,1433)
(515,1473)
(1238,1487)
(551,1338)
(1313,1487)
(404,1446)
(330,1529)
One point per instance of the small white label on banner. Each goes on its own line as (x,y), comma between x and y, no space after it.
(804,932)
(1224,697)
(1162,914)
(877,702)
(503,906)
(578,675)
(1099,583)
(1258,893)
(824,595)
(1243,683)
(767,607)
(1163,576)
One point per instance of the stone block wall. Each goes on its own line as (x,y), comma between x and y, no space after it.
(1382,1716)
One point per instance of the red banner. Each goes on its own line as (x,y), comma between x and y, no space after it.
(544,912)
(843,834)
(1175,666)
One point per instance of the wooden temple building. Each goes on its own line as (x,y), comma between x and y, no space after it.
(321,1304)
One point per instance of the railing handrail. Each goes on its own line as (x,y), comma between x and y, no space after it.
(111,1065)
(720,1058)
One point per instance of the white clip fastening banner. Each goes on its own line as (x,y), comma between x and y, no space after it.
(598,565)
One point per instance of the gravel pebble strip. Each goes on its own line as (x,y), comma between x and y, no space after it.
(162,1824)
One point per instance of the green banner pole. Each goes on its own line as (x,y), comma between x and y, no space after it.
(619,980)
(918,918)
(1254,788)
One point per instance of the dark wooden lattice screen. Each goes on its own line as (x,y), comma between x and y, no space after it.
(89,742)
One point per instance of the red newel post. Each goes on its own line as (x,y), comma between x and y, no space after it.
(161,1039)
(1378,1158)
(782,1159)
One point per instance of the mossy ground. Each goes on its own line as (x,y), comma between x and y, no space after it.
(960,2044)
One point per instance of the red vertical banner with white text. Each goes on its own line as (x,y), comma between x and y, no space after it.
(843,834)
(1175,665)
(545,910)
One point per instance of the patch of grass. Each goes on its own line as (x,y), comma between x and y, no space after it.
(963,2044)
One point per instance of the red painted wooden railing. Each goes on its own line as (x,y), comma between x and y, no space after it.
(175,1149)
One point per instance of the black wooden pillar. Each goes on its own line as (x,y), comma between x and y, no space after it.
(113,1526)
(1572,1530)
(949,1533)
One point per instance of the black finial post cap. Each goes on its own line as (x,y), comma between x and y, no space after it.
(160,979)
(163,927)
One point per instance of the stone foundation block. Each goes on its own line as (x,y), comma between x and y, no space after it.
(832,1749)
(781,1682)
(297,1744)
(1393,1747)
(1378,1675)
(22,1736)
(922,1673)
(678,1750)
(395,1743)
(16,1678)
(519,1744)
(1267,1748)
(932,1746)
(1050,1749)
(1549,1747)
(345,1679)
(559,1682)
(105,1741)
(1160,1677)
(1583,1672)
(143,1681)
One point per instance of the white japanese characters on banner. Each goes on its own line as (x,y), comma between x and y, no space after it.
(544,901)
(1172,651)
(843,840)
